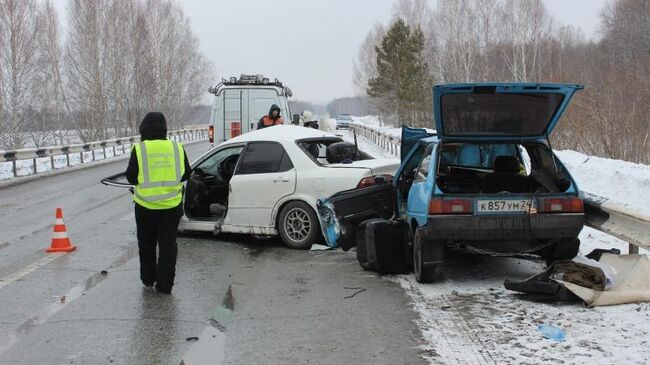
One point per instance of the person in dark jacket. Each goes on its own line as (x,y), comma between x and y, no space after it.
(157,162)
(273,118)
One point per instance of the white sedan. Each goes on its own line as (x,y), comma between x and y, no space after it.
(267,182)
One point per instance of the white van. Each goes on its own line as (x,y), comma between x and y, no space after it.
(239,104)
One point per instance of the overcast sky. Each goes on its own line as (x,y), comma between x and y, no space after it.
(310,45)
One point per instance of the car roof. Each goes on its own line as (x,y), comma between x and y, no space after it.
(281,133)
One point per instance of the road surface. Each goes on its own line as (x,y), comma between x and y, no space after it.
(237,300)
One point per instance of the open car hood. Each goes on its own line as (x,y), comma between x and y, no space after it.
(500,111)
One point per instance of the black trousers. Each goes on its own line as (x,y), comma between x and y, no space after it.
(158,227)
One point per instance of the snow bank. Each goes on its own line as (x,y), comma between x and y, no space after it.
(623,182)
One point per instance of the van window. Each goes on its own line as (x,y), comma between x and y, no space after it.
(263,158)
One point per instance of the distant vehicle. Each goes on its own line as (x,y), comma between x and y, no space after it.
(488,182)
(343,121)
(239,103)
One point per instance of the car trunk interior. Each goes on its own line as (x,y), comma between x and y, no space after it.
(489,168)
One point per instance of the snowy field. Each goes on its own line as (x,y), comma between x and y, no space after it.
(468,317)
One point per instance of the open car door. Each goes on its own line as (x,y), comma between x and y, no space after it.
(410,137)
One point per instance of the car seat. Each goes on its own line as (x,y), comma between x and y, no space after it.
(506,177)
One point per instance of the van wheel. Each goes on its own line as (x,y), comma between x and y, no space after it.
(424,273)
(298,225)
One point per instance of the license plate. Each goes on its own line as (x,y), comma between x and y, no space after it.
(504,205)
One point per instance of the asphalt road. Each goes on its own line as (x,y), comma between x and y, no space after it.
(237,300)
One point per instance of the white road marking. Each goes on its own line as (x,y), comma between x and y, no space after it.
(28,269)
(128,217)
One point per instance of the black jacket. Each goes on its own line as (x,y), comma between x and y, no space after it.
(153,126)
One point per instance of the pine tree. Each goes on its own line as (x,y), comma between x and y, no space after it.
(402,82)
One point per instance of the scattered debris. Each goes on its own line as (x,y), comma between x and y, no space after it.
(358,290)
(104,272)
(317,247)
(551,332)
(192,339)
(62,300)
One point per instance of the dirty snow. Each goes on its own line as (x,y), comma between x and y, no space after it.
(468,317)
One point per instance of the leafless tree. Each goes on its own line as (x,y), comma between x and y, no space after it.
(18,64)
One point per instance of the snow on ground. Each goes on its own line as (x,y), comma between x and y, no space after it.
(468,317)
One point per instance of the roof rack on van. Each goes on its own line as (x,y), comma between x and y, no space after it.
(250,80)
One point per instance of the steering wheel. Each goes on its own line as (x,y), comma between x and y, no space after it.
(227,166)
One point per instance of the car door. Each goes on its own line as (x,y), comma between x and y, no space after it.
(208,183)
(420,192)
(264,175)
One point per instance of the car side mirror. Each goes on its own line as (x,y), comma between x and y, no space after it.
(296,119)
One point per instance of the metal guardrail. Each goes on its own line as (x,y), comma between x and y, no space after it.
(188,134)
(600,213)
(387,142)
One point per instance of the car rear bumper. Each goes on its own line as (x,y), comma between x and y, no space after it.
(534,227)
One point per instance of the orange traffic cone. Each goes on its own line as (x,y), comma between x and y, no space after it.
(60,240)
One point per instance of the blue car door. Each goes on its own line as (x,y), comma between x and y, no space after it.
(421,190)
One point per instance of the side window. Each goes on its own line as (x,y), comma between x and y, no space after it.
(423,168)
(210,166)
(264,158)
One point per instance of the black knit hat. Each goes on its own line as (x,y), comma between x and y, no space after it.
(153,126)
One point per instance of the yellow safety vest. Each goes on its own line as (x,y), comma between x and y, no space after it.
(160,169)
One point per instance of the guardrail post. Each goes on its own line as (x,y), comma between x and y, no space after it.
(113,151)
(52,161)
(34,160)
(67,158)
(13,164)
(93,153)
(81,155)
(104,149)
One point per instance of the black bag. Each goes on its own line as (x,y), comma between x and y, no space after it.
(382,246)
(341,152)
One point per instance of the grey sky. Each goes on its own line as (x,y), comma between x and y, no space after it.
(310,45)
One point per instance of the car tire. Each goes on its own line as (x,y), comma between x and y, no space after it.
(298,225)
(424,273)
(565,249)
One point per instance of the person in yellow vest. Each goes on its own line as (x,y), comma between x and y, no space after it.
(157,169)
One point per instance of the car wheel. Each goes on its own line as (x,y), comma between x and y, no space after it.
(424,273)
(298,225)
(565,249)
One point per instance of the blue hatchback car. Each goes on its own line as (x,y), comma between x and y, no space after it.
(487,181)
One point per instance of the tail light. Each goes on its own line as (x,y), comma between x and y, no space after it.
(374,180)
(562,205)
(211,133)
(450,206)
